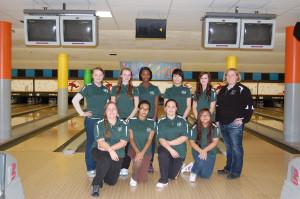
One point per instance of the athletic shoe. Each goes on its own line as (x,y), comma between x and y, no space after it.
(95,191)
(223,172)
(133,183)
(192,177)
(232,177)
(160,185)
(91,173)
(124,172)
(151,169)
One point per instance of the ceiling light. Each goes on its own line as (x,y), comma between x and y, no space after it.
(103,14)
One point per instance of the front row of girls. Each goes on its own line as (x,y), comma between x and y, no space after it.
(112,135)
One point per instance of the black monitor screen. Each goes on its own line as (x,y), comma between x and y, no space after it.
(78,30)
(257,34)
(151,28)
(41,30)
(222,33)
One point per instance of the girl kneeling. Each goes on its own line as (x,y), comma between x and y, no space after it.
(108,150)
(204,138)
(141,131)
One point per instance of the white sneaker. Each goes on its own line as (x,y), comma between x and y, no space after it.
(133,183)
(91,173)
(160,185)
(124,172)
(192,177)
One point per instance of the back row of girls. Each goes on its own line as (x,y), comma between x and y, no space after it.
(172,131)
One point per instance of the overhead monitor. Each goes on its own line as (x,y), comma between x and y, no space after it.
(78,30)
(151,28)
(41,30)
(258,34)
(221,33)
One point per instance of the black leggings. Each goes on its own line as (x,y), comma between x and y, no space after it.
(106,169)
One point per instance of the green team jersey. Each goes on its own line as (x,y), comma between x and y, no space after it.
(193,136)
(141,130)
(180,95)
(125,105)
(149,94)
(203,102)
(117,132)
(172,129)
(96,98)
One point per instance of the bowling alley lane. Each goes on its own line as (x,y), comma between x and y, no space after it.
(28,117)
(273,113)
(26,108)
(267,122)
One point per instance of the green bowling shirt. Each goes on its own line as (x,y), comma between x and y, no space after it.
(124,103)
(180,95)
(149,94)
(193,136)
(172,129)
(203,102)
(96,98)
(141,130)
(117,132)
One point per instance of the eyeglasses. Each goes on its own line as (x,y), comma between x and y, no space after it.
(204,115)
(144,109)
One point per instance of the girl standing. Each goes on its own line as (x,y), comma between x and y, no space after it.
(108,150)
(205,96)
(151,93)
(141,132)
(172,134)
(96,95)
(127,98)
(204,138)
(181,94)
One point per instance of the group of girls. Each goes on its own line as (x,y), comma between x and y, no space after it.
(115,136)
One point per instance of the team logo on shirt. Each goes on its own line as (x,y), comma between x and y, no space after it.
(151,92)
(119,129)
(233,92)
(148,130)
(105,90)
(179,124)
(183,92)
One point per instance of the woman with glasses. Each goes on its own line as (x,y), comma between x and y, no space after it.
(204,138)
(141,131)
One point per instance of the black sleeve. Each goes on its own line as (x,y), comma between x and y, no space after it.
(218,105)
(248,104)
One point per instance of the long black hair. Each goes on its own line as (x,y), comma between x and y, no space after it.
(200,128)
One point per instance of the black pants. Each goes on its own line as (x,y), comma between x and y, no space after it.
(169,167)
(126,162)
(106,169)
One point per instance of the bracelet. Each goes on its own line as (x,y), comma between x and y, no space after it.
(110,150)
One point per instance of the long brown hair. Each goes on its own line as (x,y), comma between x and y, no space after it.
(199,88)
(200,128)
(130,86)
(107,133)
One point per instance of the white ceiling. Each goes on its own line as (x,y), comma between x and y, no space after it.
(183,43)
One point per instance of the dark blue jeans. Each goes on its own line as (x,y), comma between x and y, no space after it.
(233,138)
(89,128)
(203,168)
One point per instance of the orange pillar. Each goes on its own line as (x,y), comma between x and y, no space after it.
(5,79)
(292,87)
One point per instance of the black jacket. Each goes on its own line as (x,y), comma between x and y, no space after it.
(234,103)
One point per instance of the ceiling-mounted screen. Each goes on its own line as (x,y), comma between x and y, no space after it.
(41,30)
(258,34)
(221,33)
(78,30)
(151,28)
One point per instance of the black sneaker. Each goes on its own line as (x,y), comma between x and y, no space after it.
(232,177)
(95,191)
(151,169)
(223,172)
